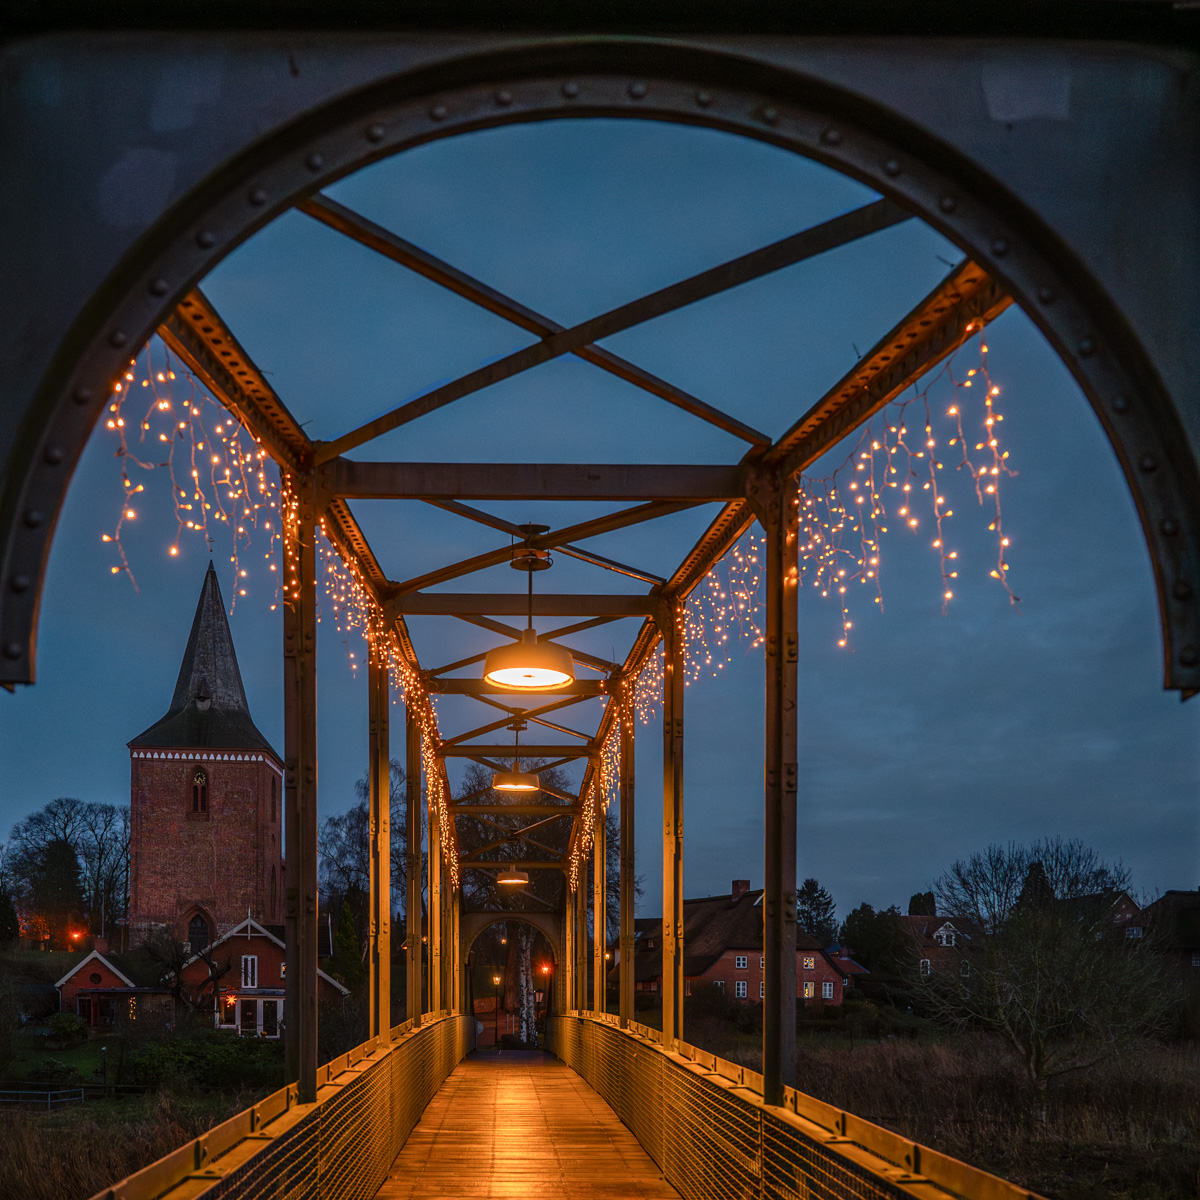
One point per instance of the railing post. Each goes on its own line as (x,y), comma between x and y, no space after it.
(380,954)
(412,960)
(300,785)
(625,1005)
(599,907)
(436,910)
(775,504)
(670,624)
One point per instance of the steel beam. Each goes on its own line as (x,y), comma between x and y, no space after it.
(778,514)
(524,864)
(520,810)
(670,623)
(581,943)
(300,795)
(412,941)
(435,905)
(378,709)
(599,910)
(453,604)
(504,752)
(625,1007)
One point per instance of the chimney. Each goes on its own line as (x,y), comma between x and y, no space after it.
(100,945)
(740,888)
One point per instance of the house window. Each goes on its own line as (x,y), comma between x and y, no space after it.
(964,968)
(283,970)
(810,962)
(227,1012)
(810,989)
(827,990)
(762,989)
(944,937)
(95,977)
(762,962)
(739,961)
(249,970)
(197,933)
(1196,958)
(200,791)
(925,968)
(687,987)
(720,983)
(739,989)
(1133,931)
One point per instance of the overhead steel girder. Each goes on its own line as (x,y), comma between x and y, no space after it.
(533,751)
(136,162)
(495,604)
(480,687)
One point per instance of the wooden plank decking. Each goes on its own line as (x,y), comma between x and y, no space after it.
(520,1126)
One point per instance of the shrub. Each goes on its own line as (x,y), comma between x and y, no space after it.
(209,1059)
(66,1029)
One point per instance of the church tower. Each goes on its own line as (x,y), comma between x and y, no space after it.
(206,798)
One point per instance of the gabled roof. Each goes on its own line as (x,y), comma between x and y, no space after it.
(95,954)
(251,928)
(209,706)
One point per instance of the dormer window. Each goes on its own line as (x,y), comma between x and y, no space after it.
(944,936)
(200,791)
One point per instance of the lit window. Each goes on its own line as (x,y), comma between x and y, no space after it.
(739,989)
(827,990)
(810,962)
(249,970)
(283,970)
(1133,931)
(925,968)
(739,961)
(810,989)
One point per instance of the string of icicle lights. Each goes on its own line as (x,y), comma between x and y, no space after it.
(892,476)
(603,790)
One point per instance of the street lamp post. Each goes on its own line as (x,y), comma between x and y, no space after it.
(496,1018)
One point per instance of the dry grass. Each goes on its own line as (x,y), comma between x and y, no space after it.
(1126,1130)
(74,1153)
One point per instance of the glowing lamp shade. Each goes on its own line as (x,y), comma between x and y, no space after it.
(511,875)
(515,781)
(529,665)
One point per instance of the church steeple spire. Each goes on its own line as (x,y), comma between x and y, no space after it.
(209,706)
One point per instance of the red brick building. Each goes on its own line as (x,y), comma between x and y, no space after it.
(108,990)
(206,798)
(723,944)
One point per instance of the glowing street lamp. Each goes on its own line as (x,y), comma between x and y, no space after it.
(511,875)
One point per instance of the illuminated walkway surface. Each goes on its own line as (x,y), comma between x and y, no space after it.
(521,1126)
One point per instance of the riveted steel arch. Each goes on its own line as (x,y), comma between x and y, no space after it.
(778,90)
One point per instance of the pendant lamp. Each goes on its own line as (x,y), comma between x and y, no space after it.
(516,780)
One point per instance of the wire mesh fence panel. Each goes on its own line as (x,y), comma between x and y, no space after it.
(285,1169)
(711,1137)
(357,1143)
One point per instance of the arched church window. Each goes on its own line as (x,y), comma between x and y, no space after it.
(200,791)
(198,933)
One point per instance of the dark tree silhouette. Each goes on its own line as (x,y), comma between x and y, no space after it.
(816,913)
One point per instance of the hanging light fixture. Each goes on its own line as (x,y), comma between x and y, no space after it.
(511,875)
(529,665)
(516,780)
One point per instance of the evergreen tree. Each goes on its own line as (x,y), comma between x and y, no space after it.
(10,925)
(922,904)
(346,962)
(58,890)
(816,913)
(876,939)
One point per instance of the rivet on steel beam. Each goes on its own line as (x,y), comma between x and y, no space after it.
(1120,404)
(1168,527)
(704,99)
(117,339)
(570,89)
(1182,590)
(1047,295)
(1148,462)
(999,247)
(206,239)
(832,137)
(13,650)
(1086,346)
(948,204)
(33,519)
(257,196)
(1189,656)
(504,99)
(891,167)
(19,583)
(83,395)
(314,162)
(770,115)
(437,112)
(159,287)
(375,133)
(54,455)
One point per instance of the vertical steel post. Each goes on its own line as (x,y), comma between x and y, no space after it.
(581,944)
(566,968)
(412,863)
(436,909)
(625,968)
(670,623)
(599,906)
(778,514)
(300,786)
(378,703)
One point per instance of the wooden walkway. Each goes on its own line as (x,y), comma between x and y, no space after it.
(520,1126)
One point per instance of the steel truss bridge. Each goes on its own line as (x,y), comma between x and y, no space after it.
(1010,148)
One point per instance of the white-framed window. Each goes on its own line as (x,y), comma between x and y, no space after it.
(925,967)
(720,983)
(687,987)
(1196,958)
(827,990)
(762,990)
(762,962)
(944,937)
(1133,931)
(964,968)
(739,989)
(810,962)
(739,961)
(249,970)
(810,989)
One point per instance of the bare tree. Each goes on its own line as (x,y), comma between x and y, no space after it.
(165,947)
(1053,973)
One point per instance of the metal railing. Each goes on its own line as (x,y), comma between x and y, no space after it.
(40,1096)
(703,1122)
(342,1146)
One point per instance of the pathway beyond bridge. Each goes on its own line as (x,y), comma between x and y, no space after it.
(521,1124)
